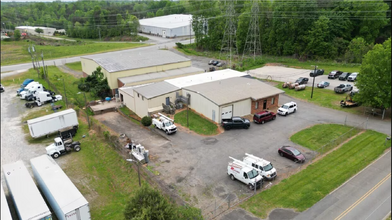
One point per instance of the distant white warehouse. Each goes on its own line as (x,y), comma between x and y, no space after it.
(169,26)
(31,30)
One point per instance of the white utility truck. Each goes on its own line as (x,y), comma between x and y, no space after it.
(244,173)
(28,86)
(265,168)
(165,123)
(52,123)
(42,98)
(60,147)
(29,203)
(30,89)
(5,210)
(62,195)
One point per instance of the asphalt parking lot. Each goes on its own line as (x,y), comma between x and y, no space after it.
(285,74)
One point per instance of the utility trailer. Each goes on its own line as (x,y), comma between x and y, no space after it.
(52,123)
(5,211)
(28,201)
(64,198)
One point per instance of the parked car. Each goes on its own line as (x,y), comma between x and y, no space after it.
(334,74)
(263,116)
(302,80)
(352,77)
(342,88)
(1,88)
(322,84)
(220,64)
(287,108)
(235,122)
(344,76)
(291,153)
(215,62)
(210,62)
(316,73)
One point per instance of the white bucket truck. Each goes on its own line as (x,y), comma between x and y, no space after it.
(165,123)
(265,168)
(244,173)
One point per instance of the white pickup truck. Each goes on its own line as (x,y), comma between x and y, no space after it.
(164,123)
(244,173)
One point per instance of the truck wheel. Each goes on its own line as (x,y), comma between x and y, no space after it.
(55,155)
(262,122)
(156,126)
(167,132)
(77,148)
(227,127)
(286,114)
(250,186)
(273,118)
(295,110)
(232,177)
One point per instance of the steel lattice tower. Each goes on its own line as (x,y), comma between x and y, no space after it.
(229,36)
(253,43)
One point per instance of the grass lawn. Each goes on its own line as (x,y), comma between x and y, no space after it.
(17,51)
(313,139)
(327,65)
(317,180)
(323,97)
(75,66)
(197,123)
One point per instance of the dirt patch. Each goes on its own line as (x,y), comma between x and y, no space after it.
(274,64)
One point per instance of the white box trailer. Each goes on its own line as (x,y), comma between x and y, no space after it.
(29,203)
(52,123)
(5,210)
(62,195)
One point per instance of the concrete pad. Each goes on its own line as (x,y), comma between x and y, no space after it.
(105,107)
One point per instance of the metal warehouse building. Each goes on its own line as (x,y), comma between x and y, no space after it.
(137,67)
(169,26)
(216,95)
(31,30)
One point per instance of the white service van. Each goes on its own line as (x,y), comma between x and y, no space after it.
(265,168)
(244,173)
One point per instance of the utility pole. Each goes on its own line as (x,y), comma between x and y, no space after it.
(99,31)
(314,76)
(190,31)
(253,43)
(229,36)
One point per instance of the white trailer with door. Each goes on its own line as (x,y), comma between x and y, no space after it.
(52,123)
(29,203)
(64,198)
(5,210)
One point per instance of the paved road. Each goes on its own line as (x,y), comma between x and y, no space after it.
(160,43)
(365,196)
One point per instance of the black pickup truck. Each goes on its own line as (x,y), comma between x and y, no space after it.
(235,122)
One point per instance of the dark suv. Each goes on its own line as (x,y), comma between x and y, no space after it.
(263,116)
(344,76)
(318,72)
(334,74)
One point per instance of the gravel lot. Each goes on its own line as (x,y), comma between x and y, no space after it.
(285,74)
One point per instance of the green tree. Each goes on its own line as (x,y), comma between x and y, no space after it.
(356,49)
(374,81)
(17,34)
(39,30)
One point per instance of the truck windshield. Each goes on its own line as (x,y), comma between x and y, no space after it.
(167,124)
(252,174)
(268,167)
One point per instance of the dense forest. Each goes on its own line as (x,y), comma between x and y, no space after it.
(306,29)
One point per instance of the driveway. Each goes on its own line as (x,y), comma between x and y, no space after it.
(285,74)
(196,166)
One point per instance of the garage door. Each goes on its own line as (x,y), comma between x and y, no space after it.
(227,112)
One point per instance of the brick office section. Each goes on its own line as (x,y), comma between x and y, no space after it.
(260,108)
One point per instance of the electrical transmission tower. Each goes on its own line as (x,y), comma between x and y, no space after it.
(229,36)
(253,43)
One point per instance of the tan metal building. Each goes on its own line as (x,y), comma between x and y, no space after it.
(136,63)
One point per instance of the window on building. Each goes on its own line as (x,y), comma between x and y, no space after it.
(272,100)
(257,105)
(138,95)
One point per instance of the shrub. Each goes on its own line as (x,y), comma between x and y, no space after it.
(146,121)
(180,45)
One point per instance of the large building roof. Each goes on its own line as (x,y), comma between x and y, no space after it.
(129,60)
(234,89)
(156,89)
(168,21)
(149,77)
(204,78)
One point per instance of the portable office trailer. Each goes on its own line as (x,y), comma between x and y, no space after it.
(5,211)
(28,201)
(64,198)
(52,123)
